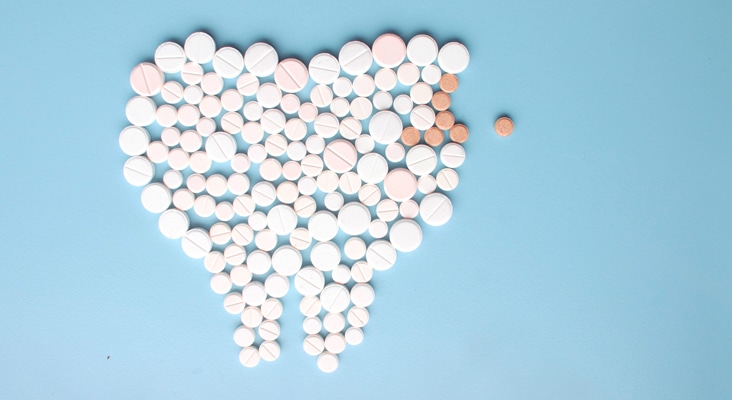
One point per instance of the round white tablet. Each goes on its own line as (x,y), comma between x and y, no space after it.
(342,87)
(431,74)
(361,108)
(247,84)
(224,211)
(242,234)
(421,160)
(249,357)
(211,83)
(214,262)
(191,73)
(326,125)
(251,317)
(452,155)
(244,336)
(157,152)
(173,178)
(422,50)
(327,181)
(257,153)
(369,194)
(204,206)
(183,199)
(435,209)
(335,343)
(282,219)
(350,128)
(269,350)
(240,275)
(264,194)
(405,235)
(361,271)
(220,283)
(372,168)
(146,79)
(233,303)
(265,240)
(220,233)
(363,85)
(385,79)
(133,140)
(232,100)
(276,285)
(387,210)
(333,201)
(340,107)
(140,111)
(334,322)
(378,229)
(192,94)
(321,96)
(324,68)
(253,112)
(314,345)
(426,184)
(170,57)
(307,112)
(354,248)
(422,117)
(325,256)
(254,293)
(234,254)
(447,179)
(381,255)
(261,59)
(327,362)
(355,58)
(286,260)
(228,62)
(382,100)
(358,316)
(307,186)
(138,171)
(310,306)
(421,93)
(270,169)
(341,274)
(323,226)
(400,184)
(403,104)
(269,95)
(259,262)
(453,58)
(200,47)
(295,129)
(272,308)
(269,330)
(172,92)
(362,295)
(312,325)
(354,336)
(408,74)
(156,198)
(354,218)
(290,103)
(335,297)
(385,127)
(173,223)
(300,239)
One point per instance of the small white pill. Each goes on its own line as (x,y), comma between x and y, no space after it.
(335,298)
(341,274)
(422,117)
(324,68)
(426,184)
(270,169)
(421,93)
(247,84)
(273,121)
(387,210)
(307,186)
(447,179)
(269,330)
(355,58)
(234,254)
(300,239)
(272,309)
(435,209)
(146,79)
(205,126)
(200,47)
(244,336)
(327,362)
(354,218)
(382,100)
(287,192)
(192,94)
(257,220)
(307,112)
(269,350)
(333,201)
(334,322)
(138,171)
(183,199)
(326,125)
(385,127)
(385,79)
(452,155)
(286,260)
(156,198)
(192,73)
(309,281)
(403,104)
(220,283)
(421,160)
(240,275)
(453,58)
(349,183)
(232,100)
(228,62)
(358,316)
(362,295)
(211,83)
(361,108)
(422,50)
(354,336)
(254,293)
(361,271)
(259,262)
(340,107)
(394,152)
(381,255)
(265,240)
(312,325)
(264,194)
(173,178)
(233,303)
(315,144)
(253,112)
(295,129)
(405,235)
(220,233)
(244,205)
(335,343)
(276,285)
(214,262)
(249,357)
(170,57)
(389,50)
(409,209)
(204,206)
(323,226)
(378,229)
(157,152)
(321,96)
(313,345)
(310,306)
(325,256)
(354,248)
(365,144)
(327,181)
(408,74)
(269,95)
(369,194)
(342,87)
(133,140)
(282,219)
(172,92)
(363,85)
(240,163)
(372,168)
(431,74)
(173,223)
(242,234)
(261,59)
(140,111)
(188,115)
(257,153)
(251,317)
(196,183)
(350,128)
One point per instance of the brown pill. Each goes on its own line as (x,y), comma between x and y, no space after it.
(410,136)
(449,83)
(503,126)
(441,101)
(459,133)
(444,120)
(434,136)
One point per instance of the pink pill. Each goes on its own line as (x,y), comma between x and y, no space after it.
(291,75)
(389,50)
(400,184)
(147,79)
(340,156)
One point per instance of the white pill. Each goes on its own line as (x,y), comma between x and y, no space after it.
(210,106)
(270,169)
(205,126)
(204,206)
(170,136)
(146,79)
(421,160)
(385,127)
(333,201)
(172,92)
(447,179)
(422,50)
(243,205)
(237,184)
(435,209)
(323,226)
(314,345)
(394,152)
(200,47)
(324,68)
(133,140)
(452,155)
(264,194)
(382,100)
(192,94)
(190,141)
(315,144)
(361,271)
(300,239)
(211,83)
(192,73)
(247,84)
(296,150)
(232,100)
(358,317)
(244,336)
(408,74)
(350,128)
(325,256)
(269,350)
(321,96)
(405,235)
(220,283)
(385,79)
(138,171)
(312,325)
(409,209)
(269,330)
(178,160)
(354,336)
(426,184)
(290,103)
(286,260)
(307,186)
(269,95)
(272,308)
(157,152)
(403,104)
(421,93)
(216,185)
(372,168)
(453,58)
(170,57)
(340,107)
(173,178)
(310,306)
(196,183)
(354,248)
(214,262)
(140,111)
(240,275)
(257,220)
(307,112)
(257,153)
(309,281)
(363,85)
(354,218)
(261,59)
(295,129)
(242,234)
(282,219)
(265,240)
(381,255)
(327,181)
(249,357)
(335,343)
(355,58)
(254,293)
(334,322)
(369,194)
(378,229)
(234,254)
(349,183)
(251,317)
(273,121)
(259,262)
(361,108)
(220,233)
(362,295)
(276,285)
(228,62)
(335,298)
(342,87)
(422,117)
(400,184)
(365,144)
(387,210)
(173,223)
(188,115)
(327,362)
(341,274)
(156,198)
(431,74)
(234,303)
(253,112)
(183,199)
(326,125)
(287,192)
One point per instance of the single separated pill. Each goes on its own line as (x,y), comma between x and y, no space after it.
(503,126)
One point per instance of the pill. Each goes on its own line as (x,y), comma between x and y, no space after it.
(389,50)
(382,100)
(240,275)
(156,198)
(211,83)
(400,184)
(251,317)
(387,210)
(385,127)
(361,108)
(291,75)
(441,101)
(385,79)
(372,168)
(354,336)
(264,194)
(324,68)
(327,181)
(173,223)
(350,128)
(192,73)
(326,125)
(228,62)
(199,162)
(183,199)
(421,93)
(321,96)
(188,115)
(172,92)
(196,183)
(381,255)
(421,160)
(327,362)
(405,235)
(237,183)
(334,322)
(325,256)
(362,294)
(410,136)
(214,262)
(253,112)
(361,271)
(312,325)
(369,194)
(269,330)
(249,357)
(146,79)
(459,133)
(335,343)
(170,57)
(422,50)
(257,220)
(247,84)
(220,233)
(340,156)
(210,106)
(157,152)
(431,74)
(310,306)
(242,234)
(243,205)
(409,209)
(265,240)
(340,107)
(300,239)
(435,209)
(261,59)
(192,94)
(254,293)
(232,100)
(333,201)
(269,95)
(349,183)
(358,316)
(449,83)
(220,283)
(138,171)
(307,185)
(204,206)
(234,254)
(173,178)
(452,155)
(259,262)
(257,153)
(354,218)
(309,281)
(363,85)
(503,126)
(244,336)
(403,104)
(444,120)
(342,87)
(291,171)
(140,111)
(408,74)
(314,345)
(233,303)
(305,206)
(290,103)
(447,179)
(216,185)
(341,274)
(276,285)
(286,260)
(200,47)
(307,112)
(453,57)
(323,226)
(271,308)
(422,117)
(434,136)
(269,350)
(335,297)
(133,140)
(315,144)
(355,58)
(170,136)
(270,169)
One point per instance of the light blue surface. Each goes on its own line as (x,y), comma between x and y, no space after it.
(588,256)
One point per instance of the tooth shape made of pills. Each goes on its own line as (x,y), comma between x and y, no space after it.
(278,175)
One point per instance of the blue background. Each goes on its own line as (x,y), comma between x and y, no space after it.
(588,256)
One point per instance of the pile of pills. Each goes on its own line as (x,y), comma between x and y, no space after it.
(281,175)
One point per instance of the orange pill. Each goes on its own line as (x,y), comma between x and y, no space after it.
(410,136)
(434,136)
(449,83)
(444,120)
(503,126)
(459,133)
(441,101)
